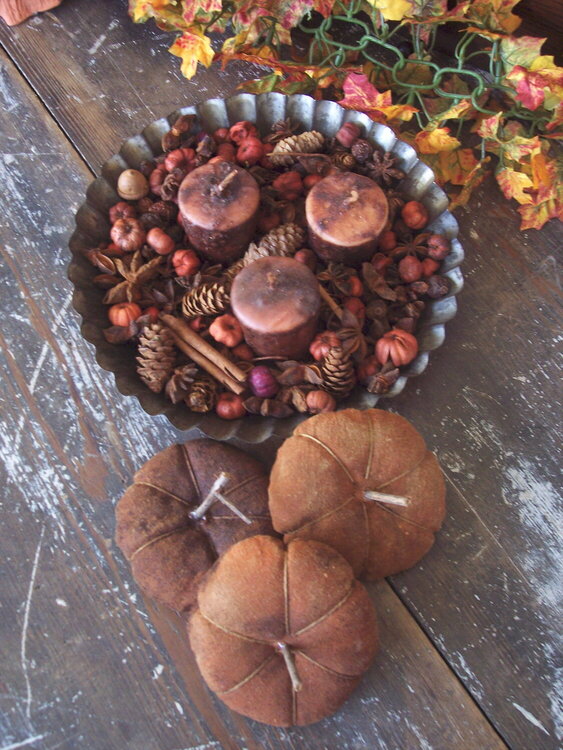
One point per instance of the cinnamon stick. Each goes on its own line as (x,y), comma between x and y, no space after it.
(204,355)
(330,302)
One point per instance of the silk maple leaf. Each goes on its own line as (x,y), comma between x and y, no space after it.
(192,47)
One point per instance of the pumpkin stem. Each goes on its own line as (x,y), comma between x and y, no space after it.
(212,497)
(381,497)
(296,683)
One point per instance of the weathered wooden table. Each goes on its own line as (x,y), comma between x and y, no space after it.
(469,637)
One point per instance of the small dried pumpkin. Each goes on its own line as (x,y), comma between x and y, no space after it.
(283,634)
(167,535)
(363,482)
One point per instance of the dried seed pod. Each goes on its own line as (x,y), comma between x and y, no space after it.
(132,185)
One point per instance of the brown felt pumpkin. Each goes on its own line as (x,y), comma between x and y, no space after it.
(283,634)
(169,548)
(363,482)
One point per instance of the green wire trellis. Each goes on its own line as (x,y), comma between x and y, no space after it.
(380,35)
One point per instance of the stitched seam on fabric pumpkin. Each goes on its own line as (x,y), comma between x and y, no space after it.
(157,539)
(248,677)
(236,518)
(326,669)
(234,632)
(286,591)
(368,534)
(406,520)
(321,518)
(326,614)
(400,476)
(330,452)
(191,471)
(164,492)
(244,482)
(370,448)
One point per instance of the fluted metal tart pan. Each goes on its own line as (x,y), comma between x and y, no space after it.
(92,227)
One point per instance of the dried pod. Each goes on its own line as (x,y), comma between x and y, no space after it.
(132,185)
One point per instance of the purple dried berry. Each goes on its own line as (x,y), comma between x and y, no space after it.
(263,382)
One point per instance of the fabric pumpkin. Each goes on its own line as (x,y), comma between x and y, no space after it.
(167,548)
(363,482)
(283,634)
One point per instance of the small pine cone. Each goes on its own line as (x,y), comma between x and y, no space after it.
(232,271)
(283,240)
(180,382)
(157,354)
(337,372)
(202,395)
(344,160)
(207,299)
(255,252)
(306,143)
(169,188)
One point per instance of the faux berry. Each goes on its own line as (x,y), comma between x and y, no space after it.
(388,241)
(414,215)
(263,382)
(322,344)
(160,242)
(123,313)
(185,262)
(122,210)
(410,269)
(230,406)
(226,330)
(438,247)
(250,151)
(398,346)
(128,234)
(241,130)
(429,267)
(319,402)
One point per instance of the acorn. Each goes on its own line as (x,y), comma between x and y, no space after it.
(132,185)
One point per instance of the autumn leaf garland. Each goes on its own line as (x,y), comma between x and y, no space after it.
(498,107)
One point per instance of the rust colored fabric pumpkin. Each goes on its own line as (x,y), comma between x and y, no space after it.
(283,634)
(363,482)
(167,547)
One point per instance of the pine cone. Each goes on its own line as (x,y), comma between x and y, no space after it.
(283,240)
(344,160)
(231,272)
(202,395)
(306,143)
(207,299)
(180,383)
(157,354)
(337,371)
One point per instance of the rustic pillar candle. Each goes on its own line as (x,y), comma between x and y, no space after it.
(219,205)
(346,213)
(277,302)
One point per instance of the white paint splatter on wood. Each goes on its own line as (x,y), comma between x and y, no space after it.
(23,743)
(23,642)
(531,718)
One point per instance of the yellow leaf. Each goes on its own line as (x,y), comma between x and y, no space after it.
(513,184)
(392,10)
(192,47)
(434,141)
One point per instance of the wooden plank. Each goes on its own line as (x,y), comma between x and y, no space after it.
(486,404)
(93,671)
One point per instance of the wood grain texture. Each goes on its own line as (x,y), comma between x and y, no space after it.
(488,593)
(93,669)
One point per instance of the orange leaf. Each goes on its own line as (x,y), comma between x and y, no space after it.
(534,216)
(434,141)
(522,50)
(200,10)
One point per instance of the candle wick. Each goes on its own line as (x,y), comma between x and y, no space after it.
(352,198)
(271,280)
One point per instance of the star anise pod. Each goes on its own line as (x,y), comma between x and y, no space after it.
(396,201)
(135,273)
(337,276)
(382,168)
(412,245)
(382,381)
(352,338)
(164,295)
